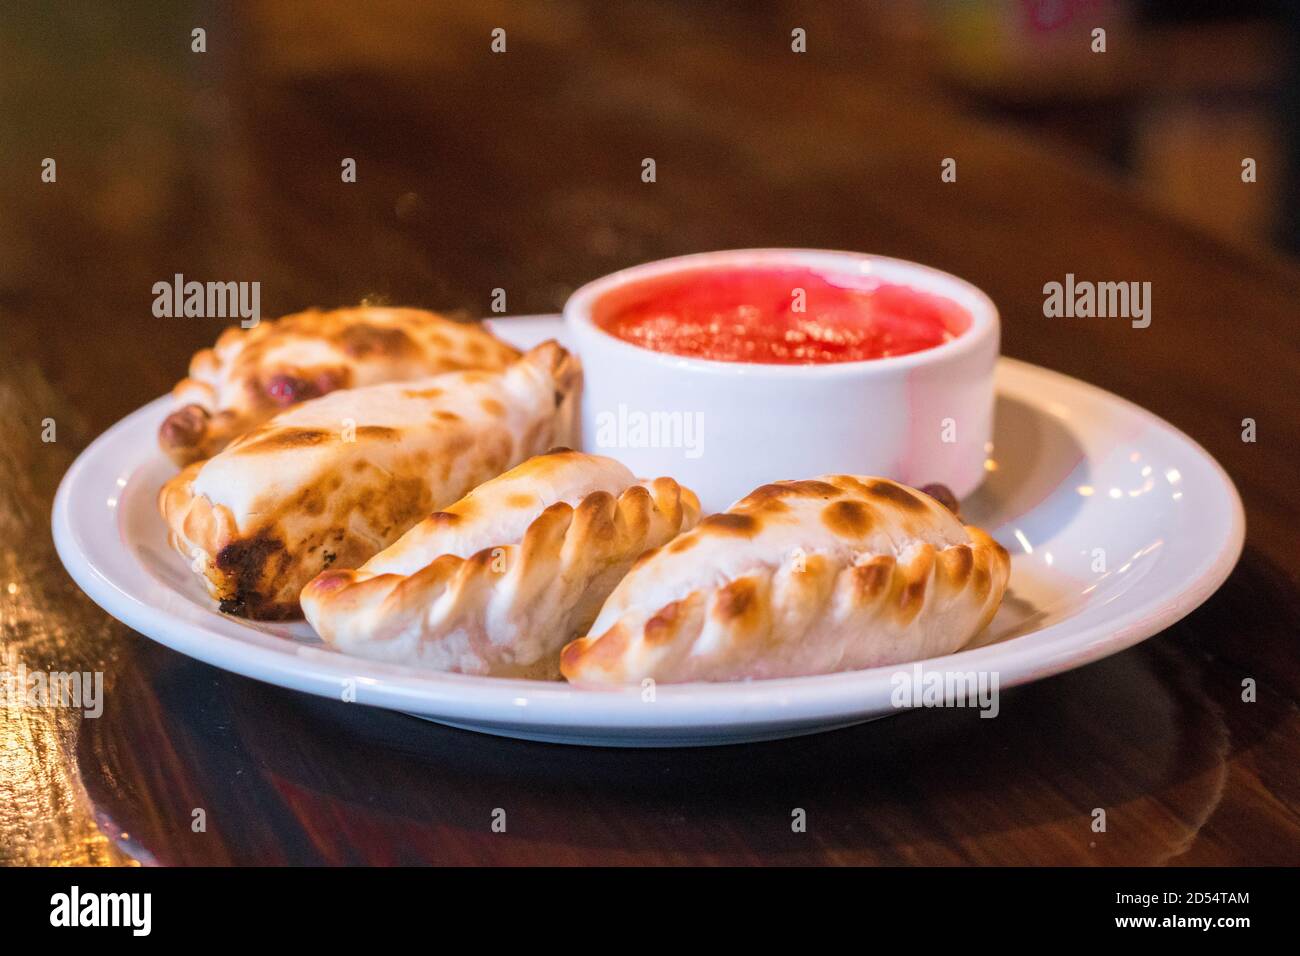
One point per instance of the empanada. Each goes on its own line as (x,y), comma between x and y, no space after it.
(498,582)
(799,577)
(333,481)
(252,374)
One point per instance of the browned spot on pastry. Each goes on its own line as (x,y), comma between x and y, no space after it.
(661,628)
(957,563)
(871,579)
(476,377)
(403,498)
(594,516)
(259,608)
(767,494)
(245,559)
(912,596)
(492,407)
(764,506)
(683,543)
(460,441)
(520,500)
(740,525)
(849,485)
(251,436)
(246,564)
(737,600)
(896,495)
(917,572)
(283,439)
(362,340)
(546,463)
(636,502)
(312,501)
(847,518)
(422,392)
(184,428)
(379,433)
(443,415)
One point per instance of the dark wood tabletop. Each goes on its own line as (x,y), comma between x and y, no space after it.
(522,171)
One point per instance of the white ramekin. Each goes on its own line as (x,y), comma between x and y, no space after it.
(724,428)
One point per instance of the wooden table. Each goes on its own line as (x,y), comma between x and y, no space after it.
(522,171)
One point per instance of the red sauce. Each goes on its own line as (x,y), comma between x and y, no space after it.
(750,315)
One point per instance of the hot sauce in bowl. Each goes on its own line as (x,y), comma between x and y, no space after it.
(778,315)
(729,370)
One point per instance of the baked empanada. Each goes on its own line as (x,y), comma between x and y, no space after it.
(498,582)
(252,374)
(799,577)
(333,481)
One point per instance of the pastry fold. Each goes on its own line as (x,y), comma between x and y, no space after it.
(498,582)
(331,482)
(252,374)
(836,573)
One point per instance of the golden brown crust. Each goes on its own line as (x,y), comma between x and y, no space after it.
(498,582)
(804,577)
(252,374)
(306,493)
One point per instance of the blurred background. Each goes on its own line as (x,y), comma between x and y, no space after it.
(521,170)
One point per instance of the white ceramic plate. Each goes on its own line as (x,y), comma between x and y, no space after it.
(1118,525)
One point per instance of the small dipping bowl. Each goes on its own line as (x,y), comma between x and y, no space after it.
(723,428)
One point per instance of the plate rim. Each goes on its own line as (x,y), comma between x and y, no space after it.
(737,705)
